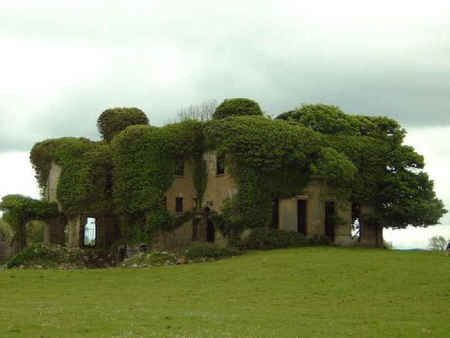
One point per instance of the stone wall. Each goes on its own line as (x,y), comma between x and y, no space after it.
(182,186)
(54,230)
(371,234)
(75,225)
(220,186)
(52,183)
(5,251)
(316,194)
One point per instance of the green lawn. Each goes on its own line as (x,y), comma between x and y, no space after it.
(305,292)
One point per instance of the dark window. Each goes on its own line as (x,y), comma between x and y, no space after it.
(179,169)
(179,204)
(275,213)
(329,219)
(301,216)
(220,165)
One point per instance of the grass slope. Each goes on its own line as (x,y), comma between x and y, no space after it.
(305,292)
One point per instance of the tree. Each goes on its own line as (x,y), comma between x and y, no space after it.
(390,176)
(237,107)
(112,121)
(200,112)
(437,243)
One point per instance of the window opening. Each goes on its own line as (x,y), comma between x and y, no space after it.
(179,169)
(356,221)
(90,232)
(275,213)
(179,204)
(220,162)
(301,216)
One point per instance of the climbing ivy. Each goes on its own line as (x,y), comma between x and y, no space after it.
(145,160)
(112,121)
(19,210)
(361,157)
(85,183)
(271,159)
(389,175)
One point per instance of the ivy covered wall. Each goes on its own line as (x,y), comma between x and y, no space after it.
(128,173)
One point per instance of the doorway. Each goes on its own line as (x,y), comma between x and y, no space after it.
(210,232)
(329,219)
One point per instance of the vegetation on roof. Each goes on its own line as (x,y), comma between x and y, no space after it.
(362,158)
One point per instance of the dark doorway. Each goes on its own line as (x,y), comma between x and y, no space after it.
(301,216)
(275,213)
(329,219)
(210,232)
(195,223)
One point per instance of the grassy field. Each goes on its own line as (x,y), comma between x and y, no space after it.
(305,292)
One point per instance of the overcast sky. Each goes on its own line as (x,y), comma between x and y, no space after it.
(63,63)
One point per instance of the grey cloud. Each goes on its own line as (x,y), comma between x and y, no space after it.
(241,51)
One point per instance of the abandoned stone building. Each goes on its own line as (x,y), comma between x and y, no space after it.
(310,213)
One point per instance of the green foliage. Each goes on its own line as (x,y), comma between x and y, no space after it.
(204,250)
(361,158)
(268,158)
(112,121)
(145,160)
(51,257)
(237,107)
(85,183)
(35,232)
(268,239)
(389,174)
(200,178)
(279,293)
(437,243)
(152,259)
(6,233)
(19,209)
(336,169)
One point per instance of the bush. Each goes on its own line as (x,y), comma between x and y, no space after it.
(113,121)
(240,107)
(40,255)
(204,250)
(267,239)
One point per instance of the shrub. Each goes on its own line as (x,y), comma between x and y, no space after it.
(205,250)
(113,121)
(46,257)
(267,239)
(238,106)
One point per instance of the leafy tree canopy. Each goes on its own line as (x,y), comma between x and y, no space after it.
(390,176)
(113,121)
(237,107)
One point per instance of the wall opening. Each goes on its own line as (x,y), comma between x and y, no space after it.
(90,233)
(356,221)
(210,232)
(330,211)
(275,213)
(301,216)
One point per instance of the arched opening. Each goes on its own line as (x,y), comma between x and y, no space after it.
(210,232)
(90,233)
